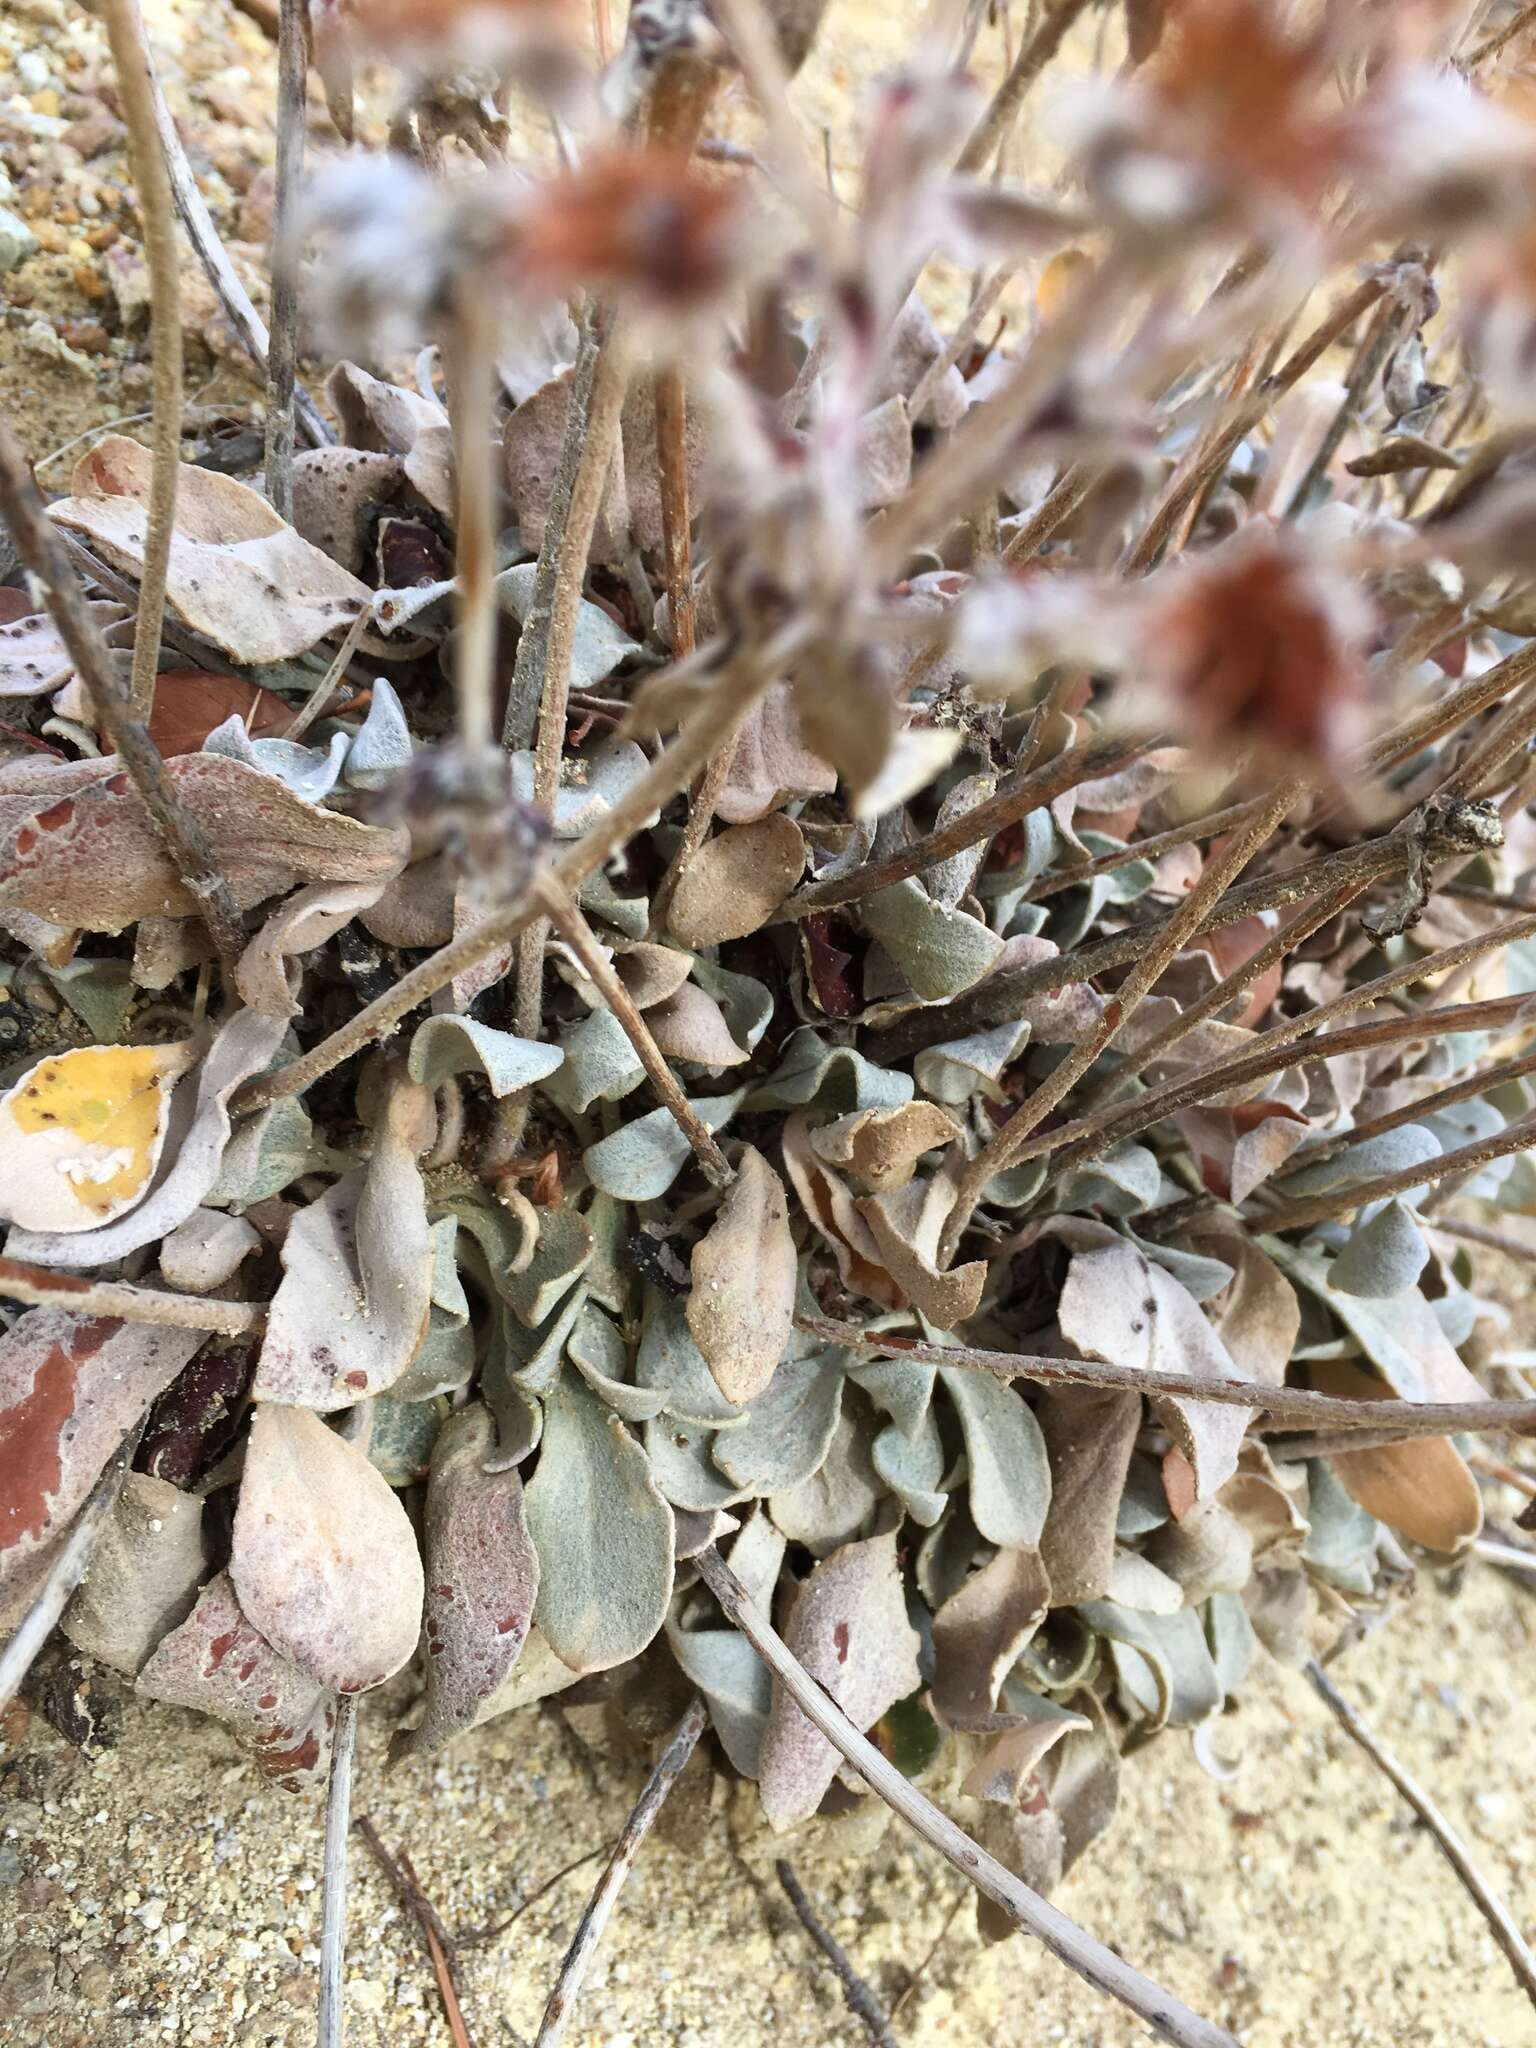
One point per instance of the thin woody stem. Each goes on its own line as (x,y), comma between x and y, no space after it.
(282,353)
(43,1287)
(130,60)
(680,1746)
(1478,1082)
(1516,1137)
(474,405)
(41,547)
(1007,1145)
(991,131)
(560,907)
(1018,796)
(736,688)
(966,330)
(1286,1407)
(1069,1943)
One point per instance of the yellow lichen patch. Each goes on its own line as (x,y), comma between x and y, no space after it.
(80,1134)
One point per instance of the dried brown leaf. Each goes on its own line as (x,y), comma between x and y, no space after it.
(736,881)
(742,1305)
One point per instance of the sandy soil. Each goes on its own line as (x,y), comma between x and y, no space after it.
(162,1893)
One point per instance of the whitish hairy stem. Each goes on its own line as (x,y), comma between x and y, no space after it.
(560,907)
(1285,1407)
(40,545)
(333,1908)
(231,293)
(1096,1964)
(152,187)
(1501,1923)
(66,1571)
(669,1766)
(1019,795)
(1516,1137)
(283,344)
(1506,1556)
(473,394)
(566,549)
(735,690)
(42,1287)
(991,131)
(965,333)
(1004,1148)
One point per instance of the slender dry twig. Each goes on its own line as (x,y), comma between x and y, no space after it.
(231,293)
(1507,1557)
(1069,1943)
(333,1905)
(563,913)
(67,1569)
(1476,1233)
(1286,1407)
(325,689)
(1211,826)
(669,1765)
(1478,1082)
(991,131)
(1515,1137)
(283,341)
(1519,21)
(40,546)
(482,1935)
(1391,321)
(1018,796)
(402,1878)
(1507,1475)
(152,187)
(739,683)
(42,1287)
(676,516)
(926,1964)
(474,405)
(1501,1923)
(857,1996)
(1007,1144)
(966,330)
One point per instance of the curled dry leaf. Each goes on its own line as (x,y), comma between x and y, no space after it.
(1423,1489)
(190,703)
(268,975)
(146,1566)
(1117,1305)
(1089,1435)
(482,1575)
(325,1562)
(881,1147)
(742,1305)
(220,1664)
(849,1629)
(193,1153)
(78,848)
(736,881)
(386,418)
(33,659)
(205,1252)
(238,575)
(82,1133)
(71,1388)
(980,1630)
(351,1310)
(771,765)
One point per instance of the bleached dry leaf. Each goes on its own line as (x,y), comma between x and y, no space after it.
(238,574)
(482,1575)
(146,1566)
(980,1630)
(71,1388)
(771,764)
(849,1630)
(268,975)
(743,1300)
(81,1133)
(1117,1305)
(325,1562)
(218,1663)
(691,1026)
(881,1147)
(192,1155)
(204,1253)
(1089,1435)
(33,659)
(736,881)
(389,419)
(351,1310)
(77,845)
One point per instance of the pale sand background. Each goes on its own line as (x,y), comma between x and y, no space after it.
(164,1894)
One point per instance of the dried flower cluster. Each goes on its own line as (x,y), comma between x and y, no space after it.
(772,928)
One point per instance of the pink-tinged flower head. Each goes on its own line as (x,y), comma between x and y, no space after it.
(1259,644)
(637,222)
(435,32)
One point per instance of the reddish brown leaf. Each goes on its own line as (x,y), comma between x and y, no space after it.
(191,702)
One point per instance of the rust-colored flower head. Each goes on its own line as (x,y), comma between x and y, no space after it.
(1259,644)
(638,222)
(462,31)
(1235,115)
